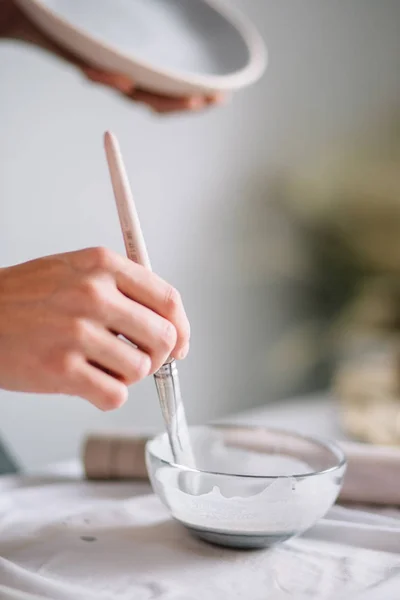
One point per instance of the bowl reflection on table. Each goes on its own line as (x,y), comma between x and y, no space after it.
(252,488)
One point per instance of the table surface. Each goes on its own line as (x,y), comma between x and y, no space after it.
(304,570)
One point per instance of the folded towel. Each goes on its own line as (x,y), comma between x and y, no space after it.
(372,477)
(373,474)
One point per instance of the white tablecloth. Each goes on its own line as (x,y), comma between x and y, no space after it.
(62,538)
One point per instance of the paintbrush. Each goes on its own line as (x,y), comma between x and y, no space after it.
(166,378)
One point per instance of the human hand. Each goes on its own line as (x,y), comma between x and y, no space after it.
(60,317)
(14,24)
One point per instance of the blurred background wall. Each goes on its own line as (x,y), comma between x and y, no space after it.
(206,194)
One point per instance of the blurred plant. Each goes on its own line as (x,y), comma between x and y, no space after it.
(349,208)
(322,247)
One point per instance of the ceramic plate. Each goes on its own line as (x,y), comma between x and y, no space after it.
(168,46)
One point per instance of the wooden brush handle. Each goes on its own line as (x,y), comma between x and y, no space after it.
(128,217)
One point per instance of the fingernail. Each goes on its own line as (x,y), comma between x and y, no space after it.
(183,352)
(195,103)
(221,99)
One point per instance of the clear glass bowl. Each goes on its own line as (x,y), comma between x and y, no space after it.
(253,487)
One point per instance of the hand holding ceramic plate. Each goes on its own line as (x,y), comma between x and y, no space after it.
(170,54)
(15,24)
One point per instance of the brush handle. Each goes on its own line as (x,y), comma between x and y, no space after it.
(135,245)
(128,217)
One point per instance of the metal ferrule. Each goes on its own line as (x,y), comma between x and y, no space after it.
(167,383)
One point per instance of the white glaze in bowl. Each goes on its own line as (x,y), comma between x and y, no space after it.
(253,487)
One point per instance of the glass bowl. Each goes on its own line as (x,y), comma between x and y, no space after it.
(252,487)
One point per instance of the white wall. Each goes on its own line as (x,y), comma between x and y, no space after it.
(201,184)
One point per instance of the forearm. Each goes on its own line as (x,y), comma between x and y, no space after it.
(15,25)
(8,16)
